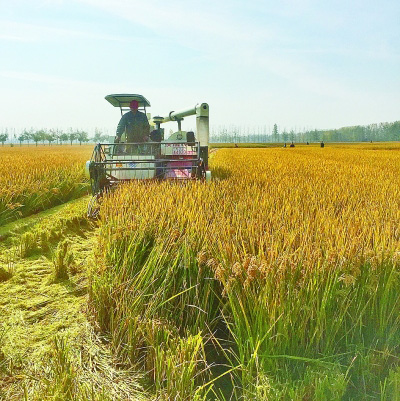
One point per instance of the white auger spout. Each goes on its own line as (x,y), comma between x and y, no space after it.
(201,111)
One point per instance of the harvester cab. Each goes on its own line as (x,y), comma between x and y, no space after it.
(181,156)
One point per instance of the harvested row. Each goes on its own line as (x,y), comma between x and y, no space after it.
(42,178)
(48,348)
(289,263)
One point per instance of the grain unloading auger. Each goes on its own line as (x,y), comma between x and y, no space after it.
(182,156)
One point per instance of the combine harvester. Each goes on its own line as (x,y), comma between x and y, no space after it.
(182,156)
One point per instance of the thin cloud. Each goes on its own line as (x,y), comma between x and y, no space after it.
(14,38)
(207,27)
(47,79)
(296,51)
(40,33)
(224,37)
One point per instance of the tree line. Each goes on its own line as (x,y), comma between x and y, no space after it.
(52,136)
(231,134)
(359,133)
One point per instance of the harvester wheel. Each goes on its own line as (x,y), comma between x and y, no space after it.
(201,171)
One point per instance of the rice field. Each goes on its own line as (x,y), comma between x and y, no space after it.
(278,280)
(34,178)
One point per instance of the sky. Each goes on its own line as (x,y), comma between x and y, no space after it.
(300,64)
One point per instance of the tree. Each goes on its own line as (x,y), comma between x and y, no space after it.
(82,136)
(72,136)
(28,135)
(24,136)
(98,136)
(275,133)
(64,137)
(56,133)
(37,136)
(21,138)
(3,138)
(50,137)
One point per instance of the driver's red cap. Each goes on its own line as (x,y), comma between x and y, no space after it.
(134,104)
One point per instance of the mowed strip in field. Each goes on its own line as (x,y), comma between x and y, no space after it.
(48,348)
(34,178)
(287,264)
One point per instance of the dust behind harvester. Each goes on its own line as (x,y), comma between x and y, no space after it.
(181,156)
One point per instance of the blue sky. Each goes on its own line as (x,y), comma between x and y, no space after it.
(299,64)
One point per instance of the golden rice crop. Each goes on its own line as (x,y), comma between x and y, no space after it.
(299,248)
(316,206)
(35,178)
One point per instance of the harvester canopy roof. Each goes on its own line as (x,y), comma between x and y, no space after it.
(123,100)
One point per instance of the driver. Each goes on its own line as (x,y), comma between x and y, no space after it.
(135,124)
